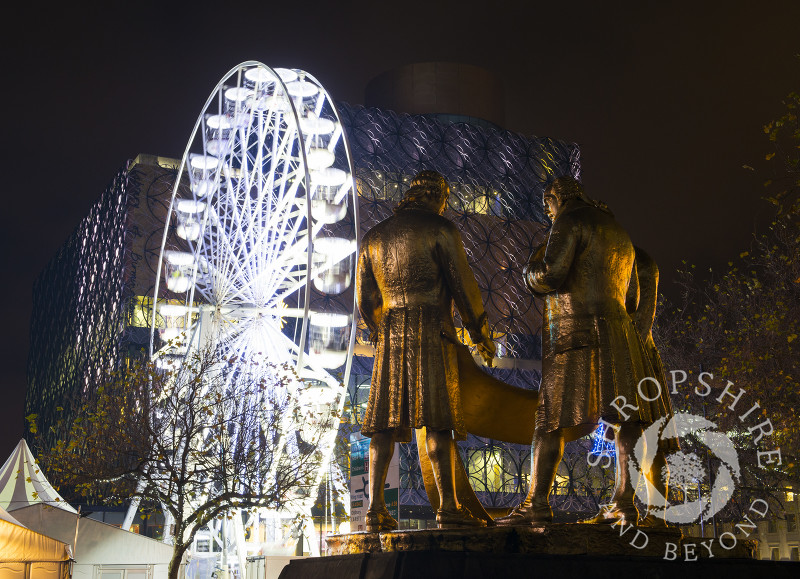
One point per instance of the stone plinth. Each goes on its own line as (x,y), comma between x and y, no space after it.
(469,565)
(556,551)
(554,539)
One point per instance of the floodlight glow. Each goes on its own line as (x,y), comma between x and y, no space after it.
(238,94)
(329,320)
(203,162)
(218,122)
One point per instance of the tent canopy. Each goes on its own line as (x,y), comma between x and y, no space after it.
(21,545)
(4,516)
(22,482)
(98,543)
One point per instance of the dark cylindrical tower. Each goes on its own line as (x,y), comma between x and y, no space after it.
(442,88)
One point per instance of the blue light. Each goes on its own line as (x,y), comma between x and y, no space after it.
(601,445)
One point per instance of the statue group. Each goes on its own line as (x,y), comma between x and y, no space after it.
(599,294)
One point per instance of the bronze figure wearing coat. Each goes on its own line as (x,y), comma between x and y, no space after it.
(412,268)
(592,355)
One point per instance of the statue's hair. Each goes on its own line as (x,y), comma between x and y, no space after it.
(566,188)
(426,186)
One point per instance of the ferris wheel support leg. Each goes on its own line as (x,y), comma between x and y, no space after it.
(169,523)
(310,533)
(133,508)
(241,545)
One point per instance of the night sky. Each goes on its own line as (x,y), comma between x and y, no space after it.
(666,99)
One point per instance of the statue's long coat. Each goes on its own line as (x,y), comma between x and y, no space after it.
(591,352)
(411,268)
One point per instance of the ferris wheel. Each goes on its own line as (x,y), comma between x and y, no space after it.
(259,245)
(260,240)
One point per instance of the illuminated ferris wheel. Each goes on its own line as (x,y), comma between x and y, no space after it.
(260,242)
(260,238)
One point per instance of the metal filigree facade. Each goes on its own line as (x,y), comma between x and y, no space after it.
(92,304)
(84,319)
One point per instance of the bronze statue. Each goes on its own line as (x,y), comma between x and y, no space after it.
(412,267)
(591,353)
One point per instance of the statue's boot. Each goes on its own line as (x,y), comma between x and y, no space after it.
(528,512)
(654,521)
(535,509)
(613,513)
(460,517)
(380,520)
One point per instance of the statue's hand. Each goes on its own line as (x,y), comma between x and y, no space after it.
(487,351)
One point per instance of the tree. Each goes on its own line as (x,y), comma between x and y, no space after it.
(743,325)
(203,439)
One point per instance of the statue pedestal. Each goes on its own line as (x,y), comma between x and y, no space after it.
(556,550)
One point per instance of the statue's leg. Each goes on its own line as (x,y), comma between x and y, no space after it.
(465,495)
(381,450)
(548,448)
(622,506)
(658,475)
(625,440)
(441,450)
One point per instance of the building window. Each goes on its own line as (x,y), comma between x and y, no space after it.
(772,526)
(485,468)
(791,523)
(794,554)
(775,554)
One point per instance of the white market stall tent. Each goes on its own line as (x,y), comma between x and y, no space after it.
(22,482)
(26,554)
(101,551)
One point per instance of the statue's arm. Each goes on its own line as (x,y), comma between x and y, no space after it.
(547,274)
(367,293)
(632,302)
(464,289)
(648,292)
